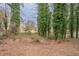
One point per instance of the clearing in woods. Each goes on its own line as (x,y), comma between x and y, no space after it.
(30,45)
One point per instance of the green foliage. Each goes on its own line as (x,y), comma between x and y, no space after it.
(49,23)
(77,20)
(71,22)
(64,20)
(28,29)
(15,7)
(16,13)
(59,20)
(43,19)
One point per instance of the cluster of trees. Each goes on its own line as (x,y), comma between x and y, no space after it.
(43,20)
(15,17)
(77,20)
(59,20)
(64,17)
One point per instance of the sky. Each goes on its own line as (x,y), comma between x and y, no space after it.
(29,12)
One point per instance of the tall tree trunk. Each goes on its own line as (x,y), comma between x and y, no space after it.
(77,28)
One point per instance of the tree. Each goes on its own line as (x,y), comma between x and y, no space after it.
(77,20)
(64,20)
(2,17)
(71,18)
(15,7)
(56,20)
(5,19)
(59,20)
(49,23)
(43,19)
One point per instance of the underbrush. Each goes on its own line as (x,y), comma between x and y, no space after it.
(33,36)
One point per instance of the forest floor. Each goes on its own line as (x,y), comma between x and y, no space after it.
(26,45)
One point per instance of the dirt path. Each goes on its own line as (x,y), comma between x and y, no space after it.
(25,47)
